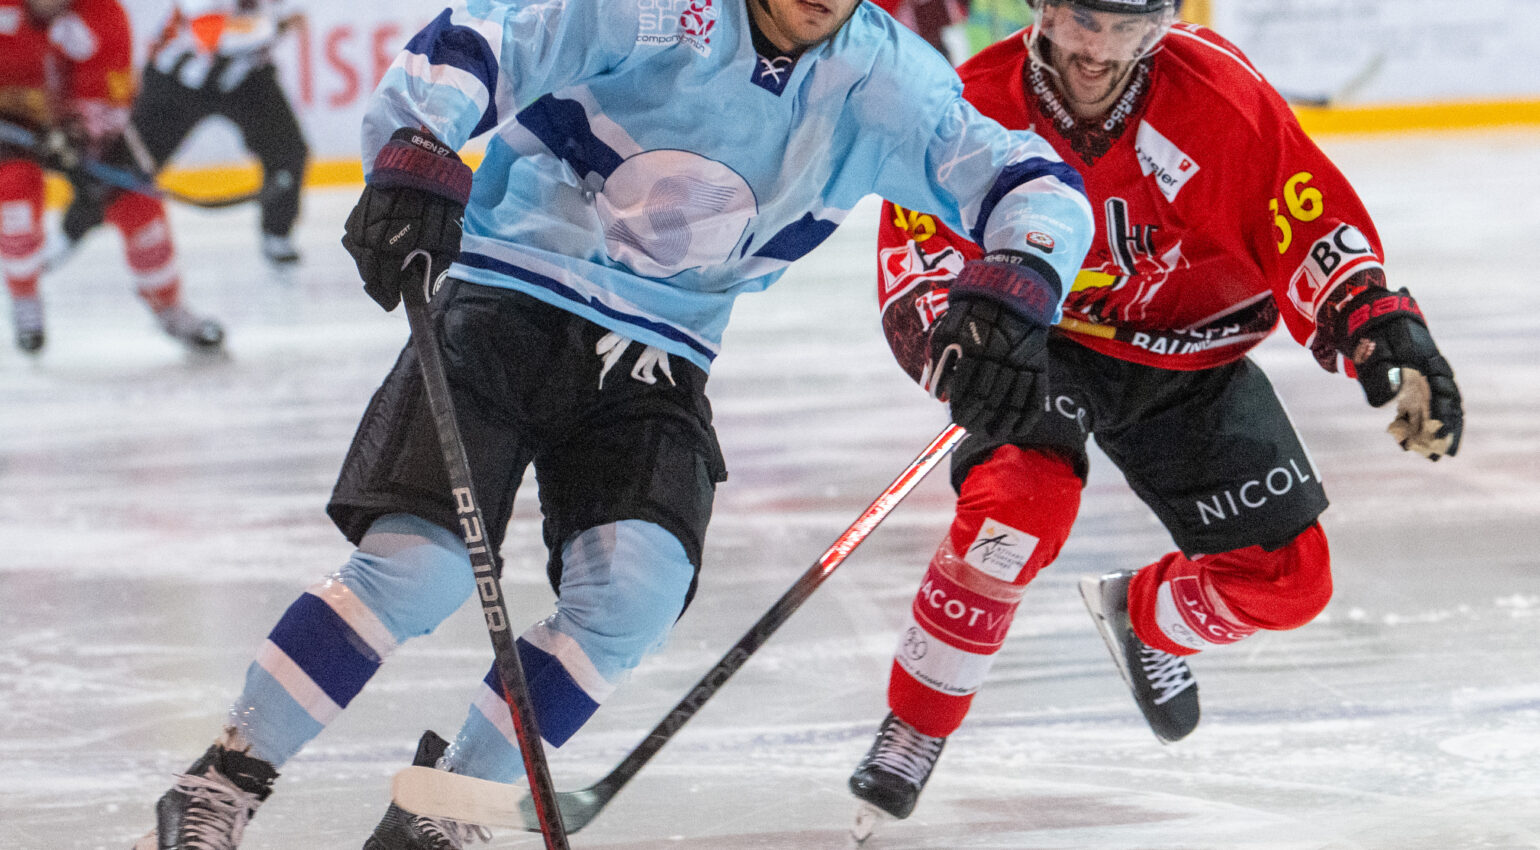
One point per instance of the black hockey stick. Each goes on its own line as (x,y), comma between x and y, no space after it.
(1344,93)
(20,137)
(434,792)
(483,559)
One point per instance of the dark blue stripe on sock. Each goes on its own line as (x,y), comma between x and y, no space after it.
(326,648)
(561,707)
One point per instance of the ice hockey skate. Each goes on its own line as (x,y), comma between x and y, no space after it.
(402,830)
(209,806)
(889,779)
(27,317)
(1162,684)
(199,333)
(279,250)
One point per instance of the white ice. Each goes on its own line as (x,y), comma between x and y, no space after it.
(157,514)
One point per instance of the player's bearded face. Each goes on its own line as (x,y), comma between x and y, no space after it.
(1092,52)
(794,25)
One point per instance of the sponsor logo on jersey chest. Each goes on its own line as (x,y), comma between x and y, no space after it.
(687,22)
(1163,161)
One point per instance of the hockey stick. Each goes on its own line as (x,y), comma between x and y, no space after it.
(18,136)
(483,559)
(426,791)
(1344,93)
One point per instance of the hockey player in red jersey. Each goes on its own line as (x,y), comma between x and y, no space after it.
(65,74)
(1217,216)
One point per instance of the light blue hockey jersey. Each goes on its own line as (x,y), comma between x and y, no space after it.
(646,165)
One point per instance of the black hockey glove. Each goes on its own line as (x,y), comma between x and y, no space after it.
(54,148)
(1384,336)
(989,351)
(61,150)
(415,200)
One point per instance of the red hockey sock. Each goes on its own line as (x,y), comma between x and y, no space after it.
(1013,514)
(21,226)
(1184,606)
(148,248)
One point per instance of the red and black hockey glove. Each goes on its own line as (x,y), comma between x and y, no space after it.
(415,200)
(989,351)
(1385,338)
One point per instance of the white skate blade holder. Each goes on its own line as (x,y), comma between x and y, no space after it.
(868,819)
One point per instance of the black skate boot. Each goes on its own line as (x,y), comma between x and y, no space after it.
(402,830)
(196,332)
(1161,683)
(208,807)
(889,779)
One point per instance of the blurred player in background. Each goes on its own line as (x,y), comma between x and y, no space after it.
(66,76)
(929,19)
(214,57)
(1216,217)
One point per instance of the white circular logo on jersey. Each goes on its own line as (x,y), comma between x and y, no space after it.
(667,211)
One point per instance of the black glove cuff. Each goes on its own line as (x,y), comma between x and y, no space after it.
(1371,309)
(415,159)
(1024,284)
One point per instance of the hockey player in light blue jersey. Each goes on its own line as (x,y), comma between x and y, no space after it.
(647,161)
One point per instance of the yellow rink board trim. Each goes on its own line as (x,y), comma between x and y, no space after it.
(1419,117)
(214,182)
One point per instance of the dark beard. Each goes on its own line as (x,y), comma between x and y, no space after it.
(1090,138)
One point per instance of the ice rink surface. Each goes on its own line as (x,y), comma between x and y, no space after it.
(158,513)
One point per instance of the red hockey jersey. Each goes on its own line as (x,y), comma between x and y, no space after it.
(1215,213)
(79,65)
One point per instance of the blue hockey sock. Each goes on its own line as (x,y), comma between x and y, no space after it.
(623,585)
(405,578)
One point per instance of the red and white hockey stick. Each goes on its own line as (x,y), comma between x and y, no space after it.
(425,791)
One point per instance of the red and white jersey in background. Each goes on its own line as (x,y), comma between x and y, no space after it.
(1215,213)
(225,39)
(78,67)
(927,17)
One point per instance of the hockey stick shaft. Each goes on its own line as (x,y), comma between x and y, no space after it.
(475,531)
(773,619)
(18,136)
(477,801)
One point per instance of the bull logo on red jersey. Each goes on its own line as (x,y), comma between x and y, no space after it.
(1134,255)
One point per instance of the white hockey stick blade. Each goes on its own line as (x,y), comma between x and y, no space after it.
(868,818)
(441,794)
